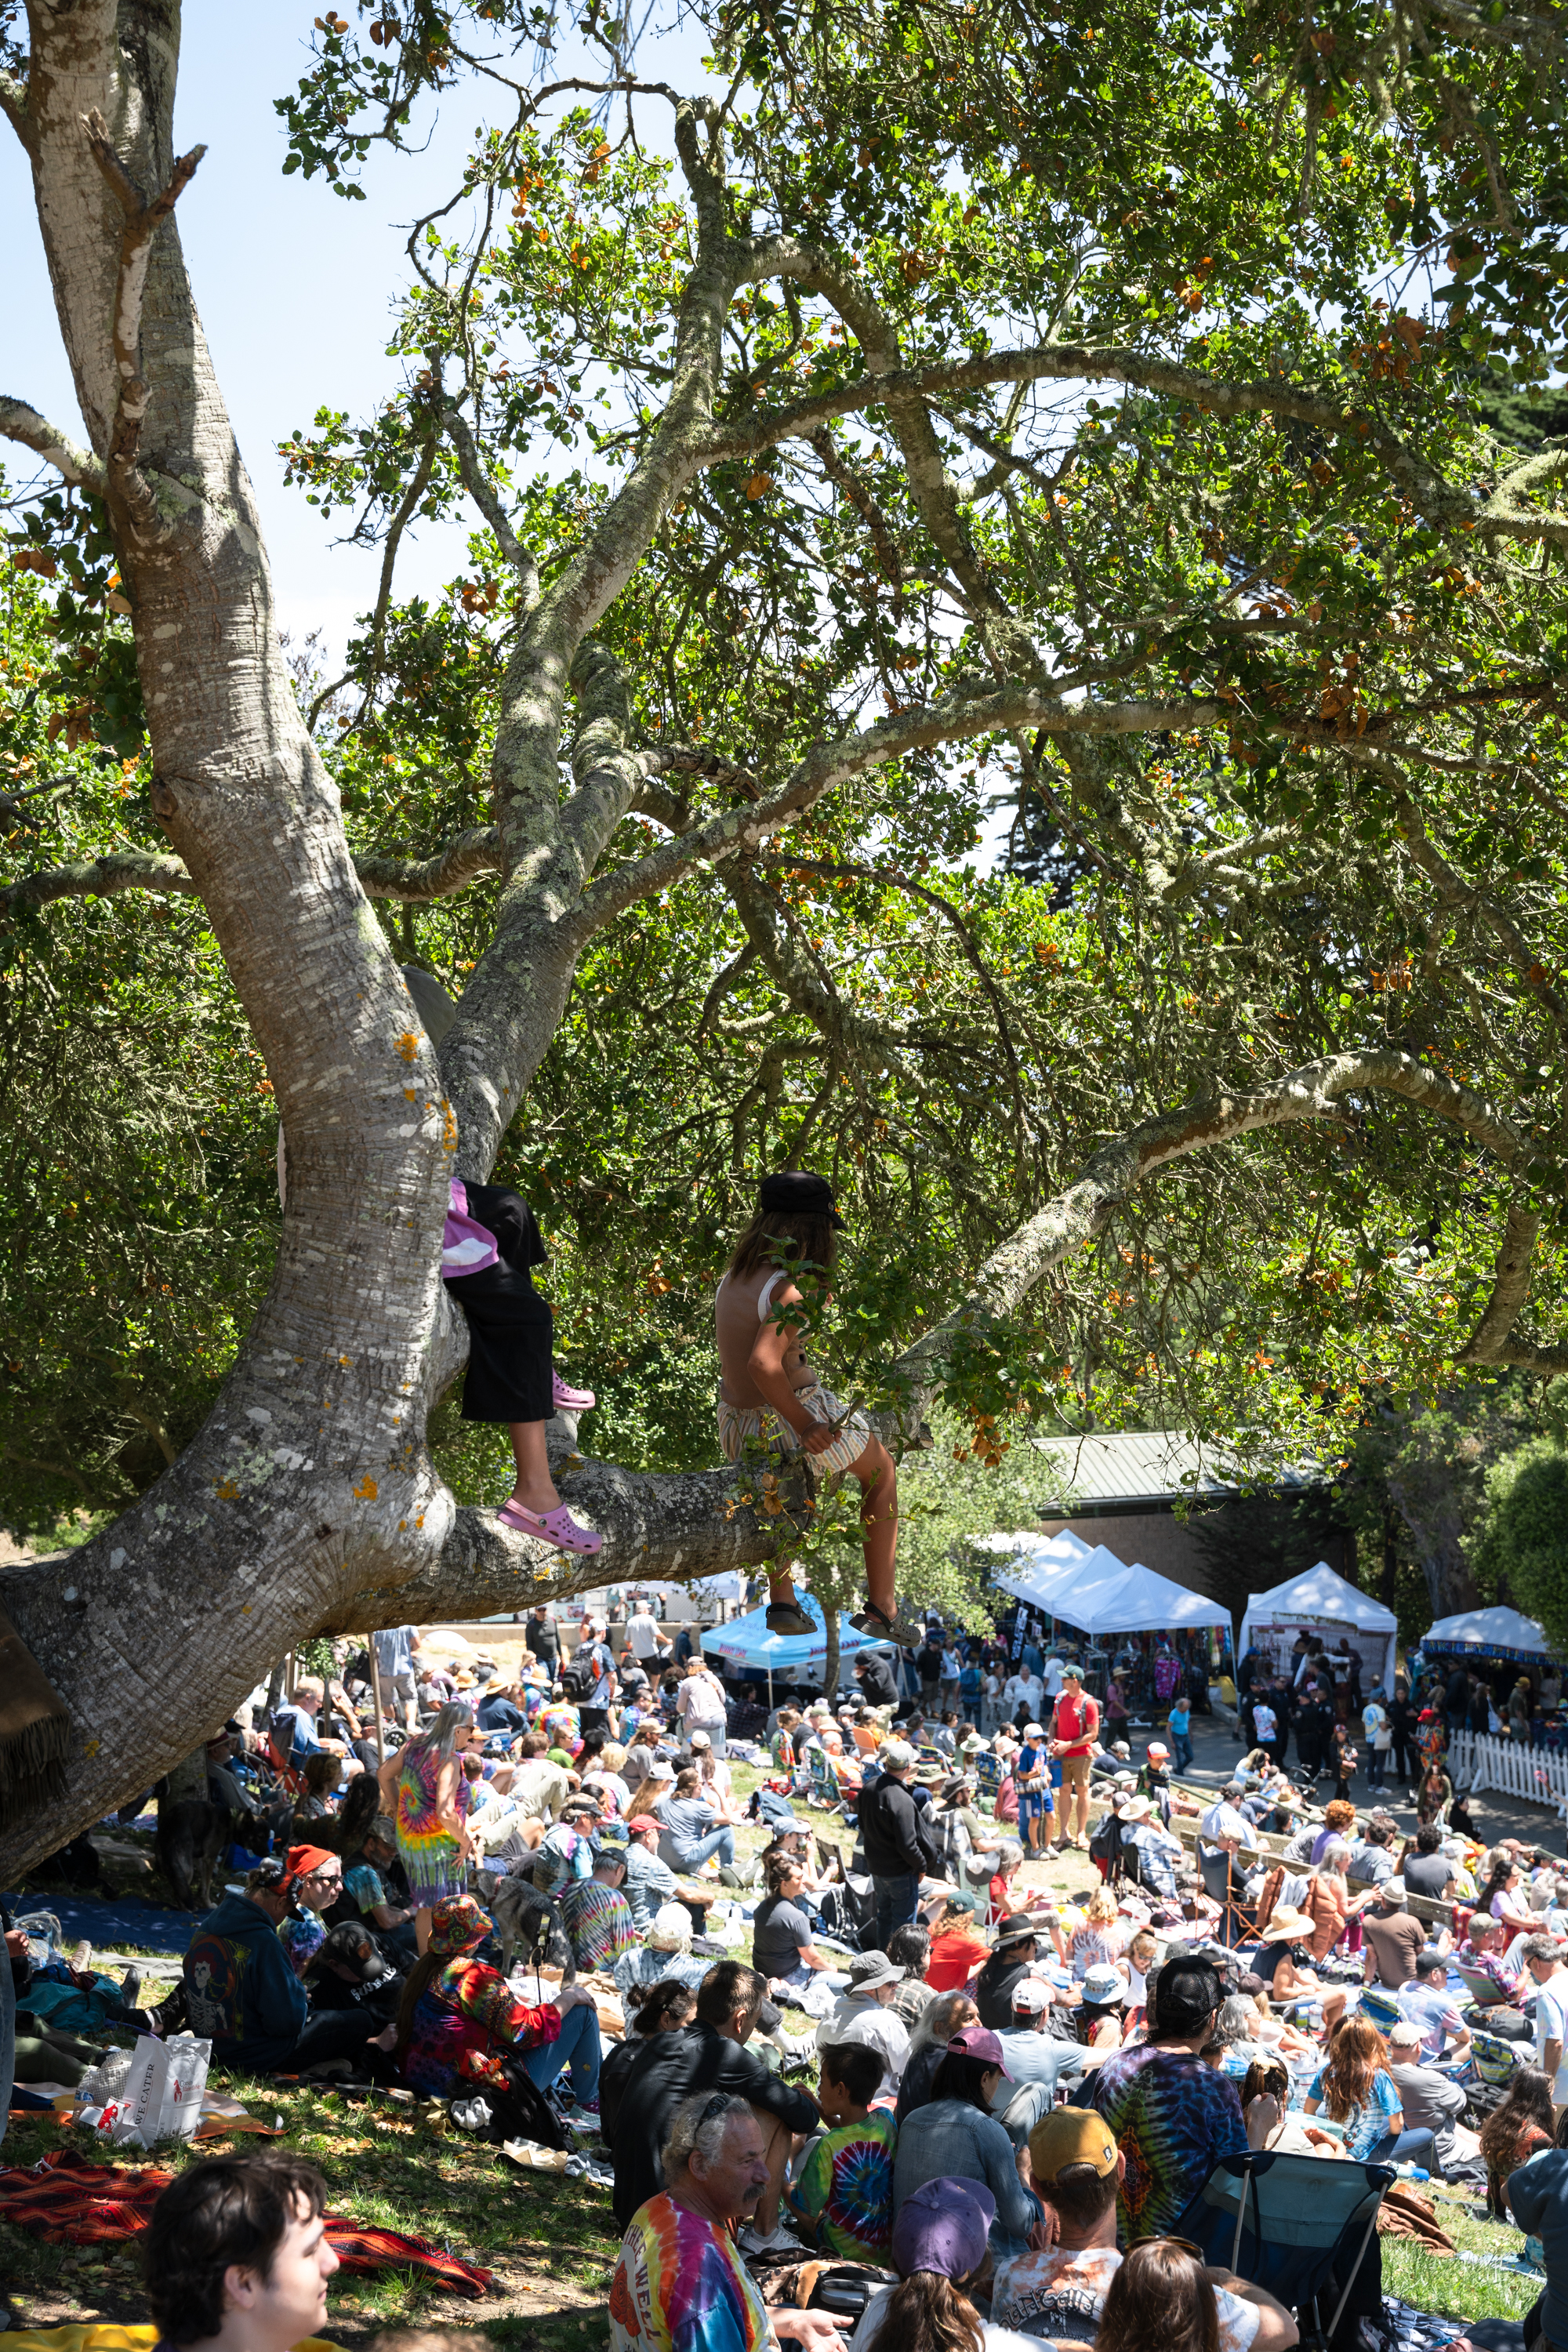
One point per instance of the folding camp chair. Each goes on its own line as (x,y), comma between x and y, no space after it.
(988,1776)
(1481,1989)
(824,1788)
(1235,1924)
(1285,2223)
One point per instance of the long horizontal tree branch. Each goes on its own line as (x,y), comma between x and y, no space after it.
(680,1526)
(737,832)
(414,878)
(1435,499)
(1075,1216)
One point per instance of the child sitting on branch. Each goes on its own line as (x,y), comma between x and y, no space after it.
(769,1395)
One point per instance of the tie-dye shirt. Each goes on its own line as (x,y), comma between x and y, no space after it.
(680,2286)
(846,2189)
(598,1919)
(1175,2117)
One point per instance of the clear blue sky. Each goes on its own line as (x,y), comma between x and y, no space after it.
(295,287)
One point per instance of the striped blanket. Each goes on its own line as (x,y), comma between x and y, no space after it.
(71,2203)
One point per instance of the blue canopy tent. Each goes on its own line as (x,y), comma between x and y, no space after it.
(746,1643)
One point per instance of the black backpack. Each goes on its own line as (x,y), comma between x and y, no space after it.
(577,1679)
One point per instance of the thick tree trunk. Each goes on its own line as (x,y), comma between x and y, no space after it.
(308,1481)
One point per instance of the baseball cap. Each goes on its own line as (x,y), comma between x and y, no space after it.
(979,2042)
(1430,1958)
(1102,1984)
(1034,1731)
(701,1739)
(641,1822)
(943,2226)
(1071,1674)
(1071,2136)
(897,1755)
(1157,1748)
(1030,1996)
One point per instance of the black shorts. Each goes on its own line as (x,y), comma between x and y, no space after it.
(511,1336)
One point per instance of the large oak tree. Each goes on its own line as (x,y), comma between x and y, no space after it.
(1080,400)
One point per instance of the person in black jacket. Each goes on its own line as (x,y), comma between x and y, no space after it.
(708,2055)
(1018,1943)
(510,1376)
(879,1684)
(899,1849)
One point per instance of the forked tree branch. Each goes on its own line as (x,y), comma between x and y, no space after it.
(143,218)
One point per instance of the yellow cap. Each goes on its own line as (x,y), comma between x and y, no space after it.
(1071,2136)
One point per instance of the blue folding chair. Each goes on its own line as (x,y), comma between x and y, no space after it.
(824,1788)
(1285,2223)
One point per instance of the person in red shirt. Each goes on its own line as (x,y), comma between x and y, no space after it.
(1075,1731)
(958,1950)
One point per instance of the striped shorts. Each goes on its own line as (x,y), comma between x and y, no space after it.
(742,1426)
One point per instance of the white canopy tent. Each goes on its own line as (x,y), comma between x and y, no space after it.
(1488,1634)
(1102,1594)
(1137,1601)
(1321,1601)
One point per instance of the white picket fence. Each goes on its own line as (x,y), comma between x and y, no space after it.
(1476,1761)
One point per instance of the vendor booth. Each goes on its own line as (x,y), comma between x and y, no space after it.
(1481,1634)
(744,1646)
(1135,1621)
(1321,1603)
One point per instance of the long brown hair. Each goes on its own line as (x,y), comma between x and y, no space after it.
(1159,2301)
(775,1238)
(927,2313)
(1527,2102)
(1357,2052)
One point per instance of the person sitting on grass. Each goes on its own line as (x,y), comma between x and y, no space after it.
(939,2247)
(769,1397)
(1521,2128)
(596,1914)
(842,2198)
(460,2027)
(236,2258)
(955,2135)
(1537,2194)
(1059,2293)
(242,1994)
(680,2283)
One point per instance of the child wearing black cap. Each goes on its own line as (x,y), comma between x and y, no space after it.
(769,1395)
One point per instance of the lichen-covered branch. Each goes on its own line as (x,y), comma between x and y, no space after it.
(19,421)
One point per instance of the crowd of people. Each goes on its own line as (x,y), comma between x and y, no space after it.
(997,2104)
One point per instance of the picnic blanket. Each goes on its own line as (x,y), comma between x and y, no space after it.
(148,1927)
(69,2202)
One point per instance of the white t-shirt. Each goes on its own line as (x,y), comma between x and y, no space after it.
(1374,1723)
(701,1702)
(643,1633)
(1061,2296)
(1552,2025)
(1053,1678)
(996,2339)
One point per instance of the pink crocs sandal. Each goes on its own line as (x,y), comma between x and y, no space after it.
(570,1400)
(557,1527)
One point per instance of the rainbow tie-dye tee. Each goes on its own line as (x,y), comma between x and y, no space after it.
(680,2286)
